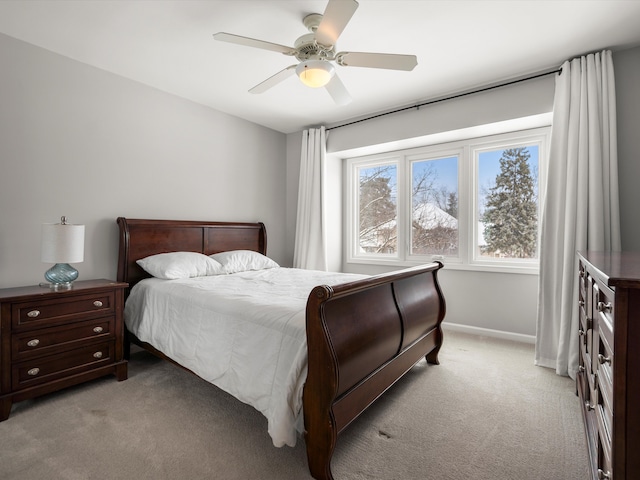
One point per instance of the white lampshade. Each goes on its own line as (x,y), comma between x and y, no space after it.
(62,242)
(315,73)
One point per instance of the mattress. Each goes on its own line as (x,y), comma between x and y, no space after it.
(243,332)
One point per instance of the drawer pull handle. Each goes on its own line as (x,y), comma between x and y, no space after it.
(604,307)
(97,355)
(33,313)
(581,369)
(589,406)
(602,475)
(581,303)
(581,332)
(97,303)
(33,372)
(602,359)
(97,329)
(33,343)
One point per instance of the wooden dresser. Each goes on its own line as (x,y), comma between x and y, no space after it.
(54,339)
(608,380)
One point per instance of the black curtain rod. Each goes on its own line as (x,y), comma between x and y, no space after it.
(431,102)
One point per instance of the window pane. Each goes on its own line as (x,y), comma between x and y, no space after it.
(434,206)
(508,203)
(377,210)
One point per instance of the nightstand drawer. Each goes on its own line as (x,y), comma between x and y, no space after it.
(57,311)
(48,341)
(45,369)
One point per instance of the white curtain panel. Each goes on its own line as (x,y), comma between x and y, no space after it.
(581,210)
(310,243)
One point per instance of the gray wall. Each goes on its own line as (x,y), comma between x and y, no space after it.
(81,142)
(626,65)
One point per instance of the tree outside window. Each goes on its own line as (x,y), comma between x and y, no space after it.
(510,217)
(434,198)
(377,210)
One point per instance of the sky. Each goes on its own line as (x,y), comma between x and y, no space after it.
(489,169)
(446,169)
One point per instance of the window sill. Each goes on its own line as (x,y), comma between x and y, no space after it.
(450,265)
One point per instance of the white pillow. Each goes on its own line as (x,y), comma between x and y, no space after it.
(171,266)
(242,260)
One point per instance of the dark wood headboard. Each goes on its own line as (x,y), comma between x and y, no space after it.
(141,238)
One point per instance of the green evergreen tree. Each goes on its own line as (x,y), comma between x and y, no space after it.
(510,218)
(452,204)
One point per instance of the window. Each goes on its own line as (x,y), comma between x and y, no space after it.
(377,209)
(473,204)
(434,206)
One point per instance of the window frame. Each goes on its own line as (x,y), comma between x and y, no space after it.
(468,151)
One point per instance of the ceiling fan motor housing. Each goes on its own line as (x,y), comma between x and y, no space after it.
(307,48)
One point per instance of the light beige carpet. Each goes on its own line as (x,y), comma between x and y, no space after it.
(486,412)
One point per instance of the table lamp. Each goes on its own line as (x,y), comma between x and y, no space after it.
(62,244)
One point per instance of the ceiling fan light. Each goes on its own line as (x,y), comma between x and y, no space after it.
(315,73)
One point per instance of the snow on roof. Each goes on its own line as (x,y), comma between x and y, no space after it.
(429,216)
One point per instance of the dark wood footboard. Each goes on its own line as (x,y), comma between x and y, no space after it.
(362,337)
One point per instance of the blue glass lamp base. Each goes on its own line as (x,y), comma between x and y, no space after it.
(61,275)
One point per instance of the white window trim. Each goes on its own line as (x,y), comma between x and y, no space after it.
(467,195)
(352,220)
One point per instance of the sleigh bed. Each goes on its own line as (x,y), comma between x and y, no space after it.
(359,337)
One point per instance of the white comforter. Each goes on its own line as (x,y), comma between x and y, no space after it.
(243,332)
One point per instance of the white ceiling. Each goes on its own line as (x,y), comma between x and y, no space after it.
(460,45)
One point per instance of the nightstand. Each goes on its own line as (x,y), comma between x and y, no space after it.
(51,339)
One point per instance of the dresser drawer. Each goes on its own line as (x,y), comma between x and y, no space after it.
(583,281)
(604,442)
(586,362)
(585,332)
(604,308)
(604,413)
(55,311)
(605,362)
(44,369)
(48,341)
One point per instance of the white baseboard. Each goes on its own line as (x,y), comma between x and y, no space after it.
(487,332)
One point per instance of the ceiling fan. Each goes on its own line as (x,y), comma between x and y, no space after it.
(317,55)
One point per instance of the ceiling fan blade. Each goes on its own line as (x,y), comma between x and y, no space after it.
(338,91)
(335,18)
(389,61)
(252,42)
(274,80)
